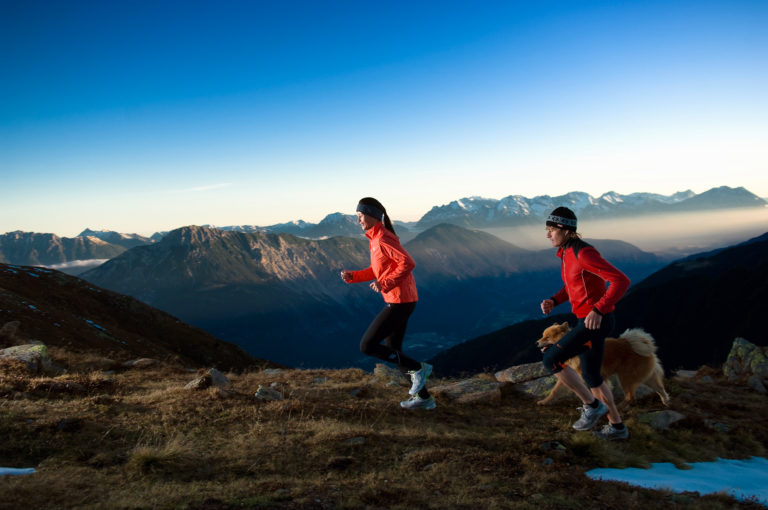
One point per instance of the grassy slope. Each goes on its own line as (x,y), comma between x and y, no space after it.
(137,439)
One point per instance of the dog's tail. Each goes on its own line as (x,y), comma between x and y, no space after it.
(641,341)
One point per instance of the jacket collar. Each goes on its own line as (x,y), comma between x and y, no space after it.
(374,231)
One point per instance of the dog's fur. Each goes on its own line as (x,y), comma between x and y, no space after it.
(632,357)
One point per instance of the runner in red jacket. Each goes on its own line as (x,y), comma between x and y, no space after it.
(585,274)
(390,273)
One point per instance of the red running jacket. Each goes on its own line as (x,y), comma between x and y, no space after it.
(584,273)
(390,265)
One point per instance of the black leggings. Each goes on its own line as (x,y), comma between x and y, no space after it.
(390,324)
(588,344)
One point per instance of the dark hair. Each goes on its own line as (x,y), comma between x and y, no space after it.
(375,203)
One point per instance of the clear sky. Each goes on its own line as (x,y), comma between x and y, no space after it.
(140,116)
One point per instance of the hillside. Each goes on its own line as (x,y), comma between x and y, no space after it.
(716,297)
(67,312)
(338,439)
(694,309)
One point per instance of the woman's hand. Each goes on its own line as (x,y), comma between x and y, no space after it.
(375,286)
(346,276)
(546,306)
(593,320)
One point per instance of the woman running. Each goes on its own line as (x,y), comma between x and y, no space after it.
(585,273)
(390,274)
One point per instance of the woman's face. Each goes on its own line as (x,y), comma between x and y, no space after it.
(366,221)
(558,236)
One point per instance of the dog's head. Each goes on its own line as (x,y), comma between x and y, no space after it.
(552,334)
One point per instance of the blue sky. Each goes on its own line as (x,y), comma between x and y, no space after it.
(140,116)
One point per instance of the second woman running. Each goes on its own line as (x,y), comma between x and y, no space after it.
(390,274)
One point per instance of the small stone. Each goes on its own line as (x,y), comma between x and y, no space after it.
(141,363)
(267,394)
(662,420)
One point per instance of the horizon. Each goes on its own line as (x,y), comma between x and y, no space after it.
(149,116)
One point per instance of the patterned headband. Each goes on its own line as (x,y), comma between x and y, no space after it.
(568,222)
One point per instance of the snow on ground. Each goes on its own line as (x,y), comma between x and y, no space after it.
(742,479)
(16,471)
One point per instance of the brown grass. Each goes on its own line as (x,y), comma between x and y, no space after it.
(138,439)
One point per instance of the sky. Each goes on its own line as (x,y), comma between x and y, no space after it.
(144,116)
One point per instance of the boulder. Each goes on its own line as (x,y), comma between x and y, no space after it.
(522,373)
(391,376)
(266,394)
(745,360)
(537,388)
(661,420)
(33,356)
(470,391)
(212,377)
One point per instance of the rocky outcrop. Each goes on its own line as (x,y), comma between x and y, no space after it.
(469,391)
(33,356)
(747,362)
(211,378)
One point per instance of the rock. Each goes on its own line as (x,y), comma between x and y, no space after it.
(33,356)
(537,388)
(141,363)
(272,371)
(355,441)
(522,373)
(719,427)
(470,391)
(210,378)
(362,392)
(321,380)
(746,359)
(390,376)
(661,420)
(756,383)
(707,379)
(685,374)
(267,394)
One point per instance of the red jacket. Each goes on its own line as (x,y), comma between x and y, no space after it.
(584,273)
(390,265)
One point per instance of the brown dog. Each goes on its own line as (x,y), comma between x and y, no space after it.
(632,357)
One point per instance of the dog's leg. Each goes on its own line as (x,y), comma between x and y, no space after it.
(656,383)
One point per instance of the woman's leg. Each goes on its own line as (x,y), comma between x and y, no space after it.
(391,321)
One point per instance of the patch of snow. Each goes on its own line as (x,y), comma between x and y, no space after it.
(16,471)
(742,479)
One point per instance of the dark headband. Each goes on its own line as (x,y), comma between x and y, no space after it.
(371,211)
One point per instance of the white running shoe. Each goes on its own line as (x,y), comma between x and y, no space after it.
(419,378)
(416,402)
(590,416)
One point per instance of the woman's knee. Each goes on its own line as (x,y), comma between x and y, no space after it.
(551,360)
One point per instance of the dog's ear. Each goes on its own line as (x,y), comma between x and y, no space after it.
(564,324)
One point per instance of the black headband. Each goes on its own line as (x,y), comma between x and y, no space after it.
(371,211)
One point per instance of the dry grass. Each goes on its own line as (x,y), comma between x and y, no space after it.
(138,439)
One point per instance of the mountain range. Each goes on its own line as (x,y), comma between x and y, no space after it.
(473,212)
(280,296)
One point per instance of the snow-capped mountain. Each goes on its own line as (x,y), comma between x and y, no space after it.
(112,237)
(516,209)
